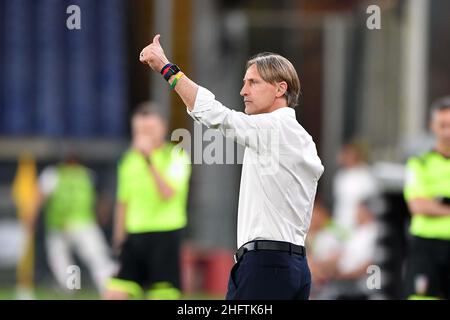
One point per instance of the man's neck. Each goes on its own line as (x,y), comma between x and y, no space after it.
(278,104)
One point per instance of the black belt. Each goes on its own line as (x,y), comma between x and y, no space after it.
(269,245)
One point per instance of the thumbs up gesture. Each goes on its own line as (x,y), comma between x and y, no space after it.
(153,55)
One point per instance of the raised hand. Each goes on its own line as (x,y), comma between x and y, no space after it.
(153,55)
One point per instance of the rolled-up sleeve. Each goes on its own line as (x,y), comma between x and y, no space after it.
(247,130)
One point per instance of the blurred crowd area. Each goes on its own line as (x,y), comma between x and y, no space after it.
(365,99)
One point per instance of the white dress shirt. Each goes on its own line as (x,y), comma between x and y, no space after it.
(280,169)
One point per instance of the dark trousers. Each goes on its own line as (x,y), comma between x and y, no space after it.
(267,274)
(428,268)
(151,257)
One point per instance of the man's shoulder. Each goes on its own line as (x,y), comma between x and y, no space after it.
(420,159)
(128,157)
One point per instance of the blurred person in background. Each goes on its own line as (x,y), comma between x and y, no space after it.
(280,172)
(323,241)
(151,212)
(347,267)
(427,192)
(352,183)
(67,193)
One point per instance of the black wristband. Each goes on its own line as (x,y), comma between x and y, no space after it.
(167,65)
(171,71)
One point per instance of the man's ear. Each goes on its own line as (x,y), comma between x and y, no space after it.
(281,89)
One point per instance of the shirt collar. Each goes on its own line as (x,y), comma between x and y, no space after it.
(285,110)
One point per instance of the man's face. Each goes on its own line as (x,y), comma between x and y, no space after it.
(440,125)
(259,95)
(151,126)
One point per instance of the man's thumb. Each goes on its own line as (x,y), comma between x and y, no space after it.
(156,40)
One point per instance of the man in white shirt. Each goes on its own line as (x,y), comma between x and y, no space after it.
(280,172)
(353,183)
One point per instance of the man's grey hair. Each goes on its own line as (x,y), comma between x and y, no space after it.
(275,68)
